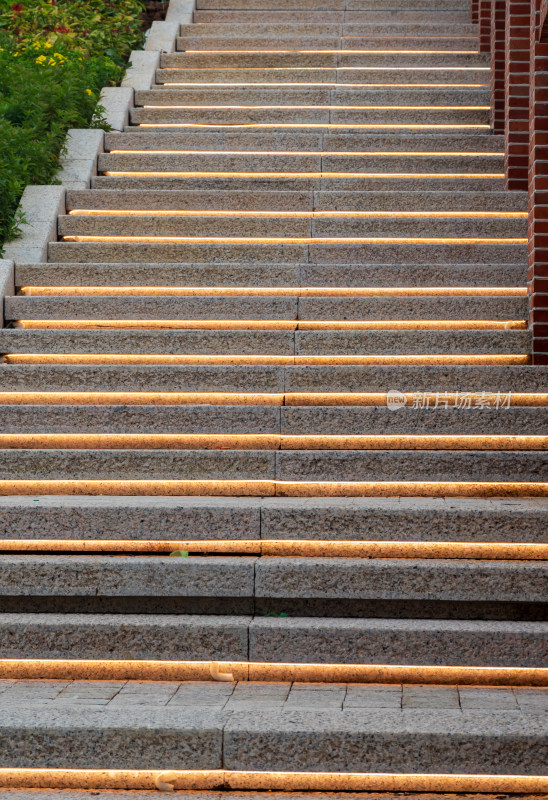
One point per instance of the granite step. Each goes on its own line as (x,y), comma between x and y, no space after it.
(267,308)
(318,29)
(289,227)
(271,16)
(340,587)
(322,75)
(255,182)
(291,41)
(322,139)
(441,59)
(272,379)
(271,275)
(79,202)
(308,344)
(119,417)
(260,253)
(503,643)
(280,162)
(325,59)
(266,740)
(335,519)
(320,5)
(258,467)
(281,113)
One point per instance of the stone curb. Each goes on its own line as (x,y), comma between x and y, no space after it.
(83,146)
(41,205)
(6,285)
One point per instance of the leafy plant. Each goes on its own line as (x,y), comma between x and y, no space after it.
(55,57)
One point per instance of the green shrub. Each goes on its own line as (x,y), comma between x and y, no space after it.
(54,59)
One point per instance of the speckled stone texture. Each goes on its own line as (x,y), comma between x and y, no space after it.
(136,636)
(381,741)
(399,641)
(137,517)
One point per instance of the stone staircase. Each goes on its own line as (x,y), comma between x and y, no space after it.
(285,331)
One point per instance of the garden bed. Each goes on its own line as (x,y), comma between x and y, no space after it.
(55,57)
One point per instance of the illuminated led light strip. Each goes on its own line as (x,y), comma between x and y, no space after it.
(286,360)
(269,325)
(95,669)
(381,68)
(272,488)
(266,441)
(198,213)
(326,84)
(290,240)
(430,399)
(317,175)
(274,291)
(313,125)
(290,549)
(334,153)
(168,780)
(339,52)
(238,106)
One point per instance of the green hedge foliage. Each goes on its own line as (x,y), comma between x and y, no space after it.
(55,57)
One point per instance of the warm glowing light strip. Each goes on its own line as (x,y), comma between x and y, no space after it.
(272,488)
(381,68)
(334,153)
(324,84)
(95,669)
(430,399)
(198,213)
(239,106)
(168,780)
(261,324)
(266,441)
(285,360)
(289,549)
(379,175)
(312,125)
(274,291)
(283,51)
(292,240)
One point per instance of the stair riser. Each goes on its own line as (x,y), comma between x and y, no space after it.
(380,519)
(260,342)
(271,420)
(329,16)
(272,379)
(366,78)
(259,253)
(320,114)
(285,30)
(250,465)
(281,308)
(313,140)
(291,228)
(270,275)
(490,202)
(234,60)
(304,42)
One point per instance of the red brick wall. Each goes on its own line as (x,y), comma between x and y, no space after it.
(474,10)
(537,275)
(498,59)
(484,20)
(516,90)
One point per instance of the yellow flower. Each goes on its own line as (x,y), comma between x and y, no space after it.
(52,62)
(40,59)
(36,46)
(48,45)
(88,91)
